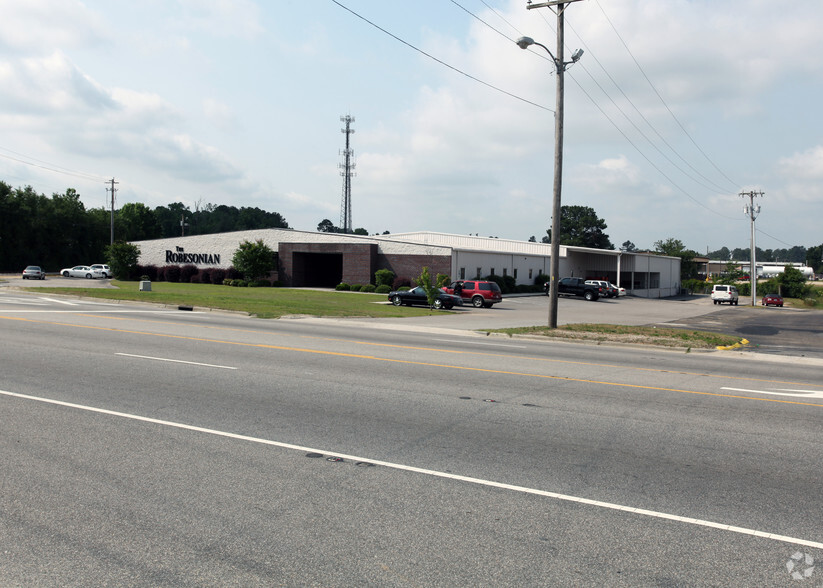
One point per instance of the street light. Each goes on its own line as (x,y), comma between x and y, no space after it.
(560,67)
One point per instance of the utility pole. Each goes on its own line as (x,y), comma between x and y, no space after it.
(183,225)
(559,6)
(347,166)
(112,190)
(752,210)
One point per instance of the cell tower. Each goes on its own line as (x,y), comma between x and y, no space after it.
(347,166)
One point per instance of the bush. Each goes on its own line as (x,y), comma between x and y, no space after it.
(204,276)
(369,288)
(149,271)
(400,282)
(195,279)
(227,282)
(696,286)
(356,287)
(233,274)
(218,275)
(172,273)
(541,279)
(384,277)
(187,271)
(342,286)
(382,289)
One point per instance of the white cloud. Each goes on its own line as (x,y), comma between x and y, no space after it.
(223,18)
(41,25)
(807,165)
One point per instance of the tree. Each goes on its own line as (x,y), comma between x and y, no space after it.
(122,258)
(675,248)
(580,226)
(326,226)
(722,254)
(793,283)
(814,258)
(254,259)
(628,246)
(425,282)
(136,222)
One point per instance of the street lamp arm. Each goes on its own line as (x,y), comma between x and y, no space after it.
(526,42)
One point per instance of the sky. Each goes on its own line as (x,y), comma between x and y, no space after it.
(673,111)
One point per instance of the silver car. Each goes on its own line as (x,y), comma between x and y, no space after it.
(102,268)
(34,272)
(81,271)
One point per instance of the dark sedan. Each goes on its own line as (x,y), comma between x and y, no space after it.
(772,300)
(418,296)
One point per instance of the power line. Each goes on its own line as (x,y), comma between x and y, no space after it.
(49,166)
(642,71)
(441,62)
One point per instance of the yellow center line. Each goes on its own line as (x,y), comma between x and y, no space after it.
(418,363)
(460,352)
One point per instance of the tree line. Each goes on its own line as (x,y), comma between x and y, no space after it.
(57,231)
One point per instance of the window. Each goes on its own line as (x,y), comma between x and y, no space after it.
(462,273)
(478,272)
(515,273)
(492,273)
(530,273)
(505,272)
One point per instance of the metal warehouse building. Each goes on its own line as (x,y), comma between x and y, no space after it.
(312,259)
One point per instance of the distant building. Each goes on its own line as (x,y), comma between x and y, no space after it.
(326,259)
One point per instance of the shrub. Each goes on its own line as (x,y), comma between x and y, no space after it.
(161,274)
(342,286)
(233,274)
(172,273)
(368,288)
(187,271)
(149,271)
(541,279)
(382,289)
(218,275)
(277,284)
(205,275)
(384,277)
(356,287)
(195,279)
(401,281)
(227,282)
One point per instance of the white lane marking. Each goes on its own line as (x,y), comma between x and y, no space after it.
(473,343)
(435,473)
(101,311)
(225,367)
(782,392)
(66,302)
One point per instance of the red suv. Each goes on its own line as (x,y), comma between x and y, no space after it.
(478,292)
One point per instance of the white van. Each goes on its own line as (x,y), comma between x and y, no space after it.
(722,293)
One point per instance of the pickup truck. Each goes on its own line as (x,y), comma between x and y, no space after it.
(576,287)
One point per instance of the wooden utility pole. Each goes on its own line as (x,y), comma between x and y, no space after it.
(752,211)
(559,6)
(112,190)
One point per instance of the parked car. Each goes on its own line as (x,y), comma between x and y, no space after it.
(606,289)
(772,300)
(480,293)
(81,271)
(724,293)
(621,291)
(102,268)
(418,296)
(576,287)
(33,272)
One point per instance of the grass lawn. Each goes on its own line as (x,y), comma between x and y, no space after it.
(259,302)
(278,302)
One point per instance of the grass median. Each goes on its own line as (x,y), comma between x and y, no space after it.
(279,302)
(604,333)
(259,302)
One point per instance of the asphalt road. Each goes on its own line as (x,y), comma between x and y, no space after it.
(153,447)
